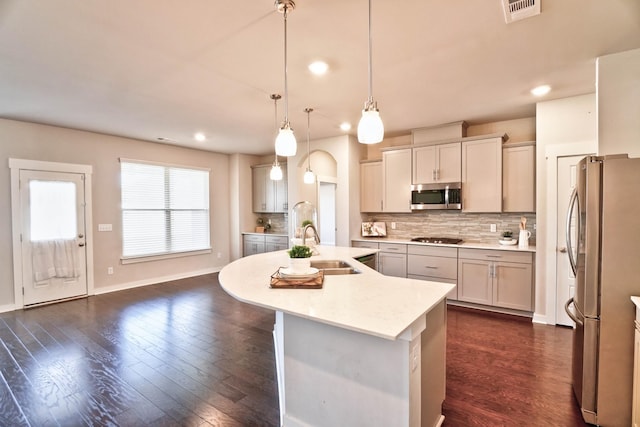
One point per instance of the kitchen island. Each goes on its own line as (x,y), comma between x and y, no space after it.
(365,350)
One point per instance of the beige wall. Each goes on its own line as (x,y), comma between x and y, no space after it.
(563,127)
(54,144)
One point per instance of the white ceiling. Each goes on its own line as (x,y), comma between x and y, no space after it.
(161,68)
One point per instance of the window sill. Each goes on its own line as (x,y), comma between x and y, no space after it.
(146,258)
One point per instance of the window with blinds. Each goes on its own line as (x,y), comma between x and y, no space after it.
(165,209)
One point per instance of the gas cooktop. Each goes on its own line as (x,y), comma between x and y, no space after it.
(439,240)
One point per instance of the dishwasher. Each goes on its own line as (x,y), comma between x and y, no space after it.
(368,260)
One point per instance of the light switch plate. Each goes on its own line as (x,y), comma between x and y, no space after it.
(105,227)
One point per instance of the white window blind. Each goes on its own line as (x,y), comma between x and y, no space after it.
(165,209)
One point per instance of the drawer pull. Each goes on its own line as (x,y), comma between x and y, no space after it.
(428,266)
(494,256)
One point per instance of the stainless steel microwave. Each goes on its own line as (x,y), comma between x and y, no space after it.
(436,196)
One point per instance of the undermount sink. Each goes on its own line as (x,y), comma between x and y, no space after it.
(334,267)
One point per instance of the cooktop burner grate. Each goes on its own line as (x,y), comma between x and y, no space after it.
(440,240)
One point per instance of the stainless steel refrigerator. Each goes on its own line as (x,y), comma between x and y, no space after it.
(603,239)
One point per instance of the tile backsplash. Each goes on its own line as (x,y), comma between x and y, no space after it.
(278,222)
(470,227)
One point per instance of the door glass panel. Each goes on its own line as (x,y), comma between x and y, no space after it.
(52,210)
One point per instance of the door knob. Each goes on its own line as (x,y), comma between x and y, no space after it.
(80,236)
(81,244)
(563,250)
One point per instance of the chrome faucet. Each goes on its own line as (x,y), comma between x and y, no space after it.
(304,234)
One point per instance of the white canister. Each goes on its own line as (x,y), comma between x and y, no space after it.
(523,239)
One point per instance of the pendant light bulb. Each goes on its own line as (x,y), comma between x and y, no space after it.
(309,176)
(276,172)
(286,144)
(370,127)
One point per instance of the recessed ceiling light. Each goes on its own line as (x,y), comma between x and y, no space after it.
(200,137)
(345,126)
(318,67)
(541,90)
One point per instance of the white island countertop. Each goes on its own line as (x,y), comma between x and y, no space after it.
(368,302)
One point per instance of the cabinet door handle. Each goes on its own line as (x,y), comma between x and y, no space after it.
(490,271)
(433,174)
(437,174)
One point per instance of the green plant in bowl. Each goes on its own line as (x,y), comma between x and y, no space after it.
(300,251)
(507,235)
(306,222)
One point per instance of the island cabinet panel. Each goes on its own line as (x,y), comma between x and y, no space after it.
(371,187)
(437,163)
(325,373)
(482,175)
(396,180)
(435,264)
(392,259)
(497,278)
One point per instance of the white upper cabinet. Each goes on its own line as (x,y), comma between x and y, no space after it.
(371,187)
(269,196)
(518,178)
(437,163)
(396,180)
(482,175)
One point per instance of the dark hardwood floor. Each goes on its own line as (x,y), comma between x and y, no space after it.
(184,353)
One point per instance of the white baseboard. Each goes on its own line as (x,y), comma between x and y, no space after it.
(7,307)
(153,281)
(540,318)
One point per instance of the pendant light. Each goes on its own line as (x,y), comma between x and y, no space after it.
(276,170)
(370,128)
(309,176)
(286,144)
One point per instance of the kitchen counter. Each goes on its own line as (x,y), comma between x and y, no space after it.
(369,302)
(469,245)
(361,338)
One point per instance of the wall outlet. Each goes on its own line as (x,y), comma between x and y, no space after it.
(393,225)
(493,228)
(105,227)
(219,255)
(109,270)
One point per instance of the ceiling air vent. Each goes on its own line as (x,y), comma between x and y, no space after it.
(515,10)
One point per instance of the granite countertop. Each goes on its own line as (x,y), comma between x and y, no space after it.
(368,302)
(464,245)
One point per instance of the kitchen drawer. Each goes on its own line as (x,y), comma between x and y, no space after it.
(433,251)
(361,244)
(254,238)
(433,266)
(398,248)
(495,255)
(277,240)
(453,294)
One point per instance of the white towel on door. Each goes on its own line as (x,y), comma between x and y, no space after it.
(55,258)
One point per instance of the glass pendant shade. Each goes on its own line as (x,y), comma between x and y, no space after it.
(309,177)
(286,144)
(370,128)
(276,173)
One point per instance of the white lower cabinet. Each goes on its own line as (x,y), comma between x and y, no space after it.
(496,278)
(437,264)
(257,243)
(392,259)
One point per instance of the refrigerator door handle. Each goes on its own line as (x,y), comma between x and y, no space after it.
(570,313)
(573,201)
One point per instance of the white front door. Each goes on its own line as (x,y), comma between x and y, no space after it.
(54,257)
(565,280)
